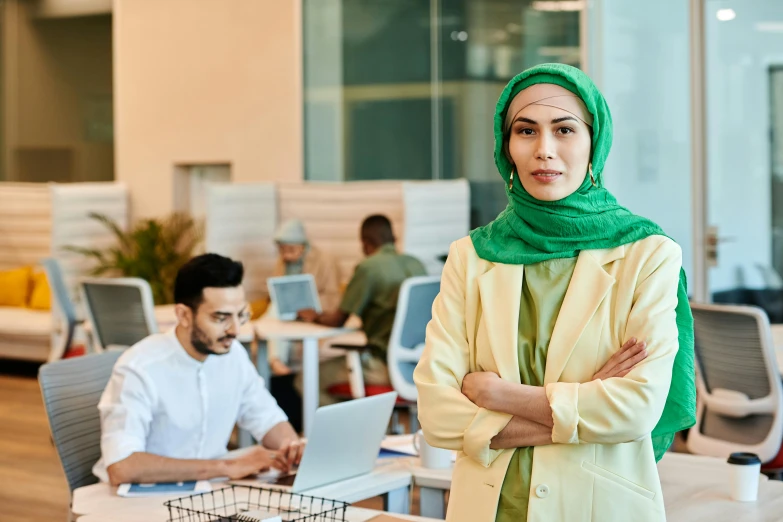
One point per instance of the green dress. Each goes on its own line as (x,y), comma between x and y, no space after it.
(543,291)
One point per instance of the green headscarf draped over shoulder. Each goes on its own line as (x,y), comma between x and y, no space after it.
(530,231)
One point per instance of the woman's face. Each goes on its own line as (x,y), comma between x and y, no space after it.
(551,150)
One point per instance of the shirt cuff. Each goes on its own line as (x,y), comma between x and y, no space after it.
(477,438)
(260,432)
(114,449)
(564,400)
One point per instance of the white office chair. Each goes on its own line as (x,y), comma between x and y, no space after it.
(63,310)
(71,390)
(121,311)
(406,344)
(740,407)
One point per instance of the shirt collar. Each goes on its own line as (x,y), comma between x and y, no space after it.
(388,248)
(182,354)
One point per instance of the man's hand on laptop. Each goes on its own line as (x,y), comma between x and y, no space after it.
(255,460)
(289,455)
(308,315)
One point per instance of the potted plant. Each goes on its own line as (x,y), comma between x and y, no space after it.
(153,250)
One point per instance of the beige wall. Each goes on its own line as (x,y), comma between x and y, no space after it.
(57,81)
(205,81)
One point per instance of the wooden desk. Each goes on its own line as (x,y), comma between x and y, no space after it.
(391,479)
(352,514)
(695,488)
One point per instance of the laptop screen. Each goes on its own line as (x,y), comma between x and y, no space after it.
(294,295)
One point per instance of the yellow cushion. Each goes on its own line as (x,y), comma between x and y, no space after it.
(41,298)
(15,287)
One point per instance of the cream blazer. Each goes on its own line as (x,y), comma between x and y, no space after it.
(601,466)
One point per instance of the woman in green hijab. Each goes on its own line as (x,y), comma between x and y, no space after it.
(559,358)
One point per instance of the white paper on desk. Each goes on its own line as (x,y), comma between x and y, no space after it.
(164,488)
(401,444)
(404,444)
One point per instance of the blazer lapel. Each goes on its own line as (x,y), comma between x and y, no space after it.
(588,287)
(500,289)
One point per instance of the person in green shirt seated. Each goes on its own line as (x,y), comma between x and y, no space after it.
(372,295)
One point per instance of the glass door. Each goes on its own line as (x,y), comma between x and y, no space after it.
(743,119)
(406,89)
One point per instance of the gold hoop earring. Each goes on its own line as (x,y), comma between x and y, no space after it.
(590,170)
(511,179)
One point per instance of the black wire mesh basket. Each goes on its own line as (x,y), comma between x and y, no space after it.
(242,503)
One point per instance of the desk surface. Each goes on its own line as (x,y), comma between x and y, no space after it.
(101,499)
(697,488)
(269,328)
(389,475)
(352,514)
(694,488)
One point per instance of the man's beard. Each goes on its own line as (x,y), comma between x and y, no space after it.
(201,342)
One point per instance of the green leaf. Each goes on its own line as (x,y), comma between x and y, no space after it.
(153,249)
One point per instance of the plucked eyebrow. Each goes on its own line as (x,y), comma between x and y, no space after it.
(553,122)
(564,118)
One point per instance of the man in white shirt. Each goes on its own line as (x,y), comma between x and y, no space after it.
(173,399)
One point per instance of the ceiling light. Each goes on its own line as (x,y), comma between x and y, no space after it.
(725,15)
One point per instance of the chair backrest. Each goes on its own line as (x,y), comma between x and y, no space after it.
(740,395)
(406,343)
(54,275)
(64,313)
(120,310)
(71,390)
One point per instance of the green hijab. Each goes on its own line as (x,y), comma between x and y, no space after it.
(530,231)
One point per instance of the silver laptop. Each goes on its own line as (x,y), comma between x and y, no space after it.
(290,294)
(344,442)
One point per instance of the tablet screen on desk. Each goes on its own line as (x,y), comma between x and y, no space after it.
(163,488)
(293,293)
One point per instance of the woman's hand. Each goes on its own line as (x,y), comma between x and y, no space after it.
(622,362)
(487,390)
(482,388)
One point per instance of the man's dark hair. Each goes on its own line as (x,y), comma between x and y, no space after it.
(205,271)
(377,230)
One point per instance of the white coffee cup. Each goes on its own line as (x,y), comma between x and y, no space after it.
(432,458)
(744,478)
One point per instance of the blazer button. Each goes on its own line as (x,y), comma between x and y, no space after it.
(542,491)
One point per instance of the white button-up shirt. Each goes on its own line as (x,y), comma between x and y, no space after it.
(160,400)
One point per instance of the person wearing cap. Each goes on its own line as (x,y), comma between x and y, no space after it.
(559,358)
(298,256)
